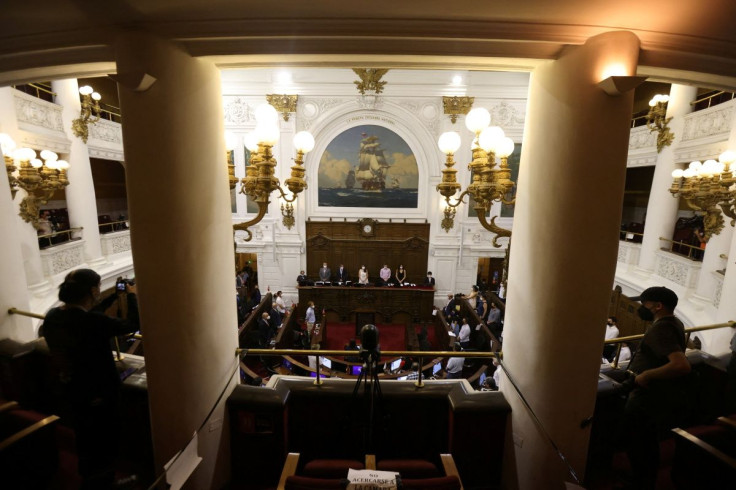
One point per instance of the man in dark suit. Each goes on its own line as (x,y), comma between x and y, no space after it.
(429,280)
(264,330)
(342,274)
(302,279)
(325,274)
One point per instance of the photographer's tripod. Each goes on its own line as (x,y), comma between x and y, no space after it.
(371,391)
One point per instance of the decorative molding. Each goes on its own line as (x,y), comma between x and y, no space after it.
(61,258)
(709,122)
(115,243)
(628,253)
(641,138)
(36,112)
(109,131)
(506,115)
(718,290)
(427,111)
(311,109)
(679,270)
(237,110)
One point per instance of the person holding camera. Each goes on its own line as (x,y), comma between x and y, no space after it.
(659,366)
(78,334)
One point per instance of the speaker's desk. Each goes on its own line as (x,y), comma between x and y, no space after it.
(387,304)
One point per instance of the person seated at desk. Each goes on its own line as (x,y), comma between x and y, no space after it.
(302,279)
(429,280)
(325,273)
(400,275)
(385,275)
(342,275)
(363,276)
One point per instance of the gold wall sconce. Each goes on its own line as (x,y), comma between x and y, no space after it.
(285,104)
(490,182)
(90,108)
(707,186)
(455,106)
(658,121)
(259,181)
(39,178)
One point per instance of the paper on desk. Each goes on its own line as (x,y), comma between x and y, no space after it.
(182,465)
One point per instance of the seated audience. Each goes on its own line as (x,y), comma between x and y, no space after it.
(455,365)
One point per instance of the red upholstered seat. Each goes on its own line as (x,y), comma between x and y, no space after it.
(409,468)
(295,482)
(331,468)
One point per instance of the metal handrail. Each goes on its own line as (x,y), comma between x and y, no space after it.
(39,88)
(681,244)
(688,331)
(111,223)
(710,97)
(68,232)
(342,353)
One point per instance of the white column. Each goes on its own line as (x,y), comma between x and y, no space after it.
(662,207)
(25,232)
(174,143)
(718,341)
(564,250)
(80,193)
(717,246)
(13,291)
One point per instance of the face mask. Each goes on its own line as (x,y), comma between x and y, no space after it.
(609,323)
(645,314)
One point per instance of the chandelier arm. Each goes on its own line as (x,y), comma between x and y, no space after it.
(729,209)
(262,208)
(493,228)
(459,199)
(283,195)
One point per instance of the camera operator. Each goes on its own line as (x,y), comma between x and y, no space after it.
(78,334)
(660,365)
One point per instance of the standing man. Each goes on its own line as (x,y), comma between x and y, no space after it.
(325,273)
(385,274)
(660,366)
(264,330)
(310,319)
(342,274)
(609,350)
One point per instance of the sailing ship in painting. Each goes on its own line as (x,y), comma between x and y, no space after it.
(372,164)
(350,179)
(368,167)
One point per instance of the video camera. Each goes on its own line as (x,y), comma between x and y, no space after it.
(122,282)
(370,349)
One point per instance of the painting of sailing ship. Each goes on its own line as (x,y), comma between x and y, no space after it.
(368,166)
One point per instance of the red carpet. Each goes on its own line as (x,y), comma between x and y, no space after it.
(391,337)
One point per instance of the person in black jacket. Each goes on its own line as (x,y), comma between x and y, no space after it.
(78,334)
